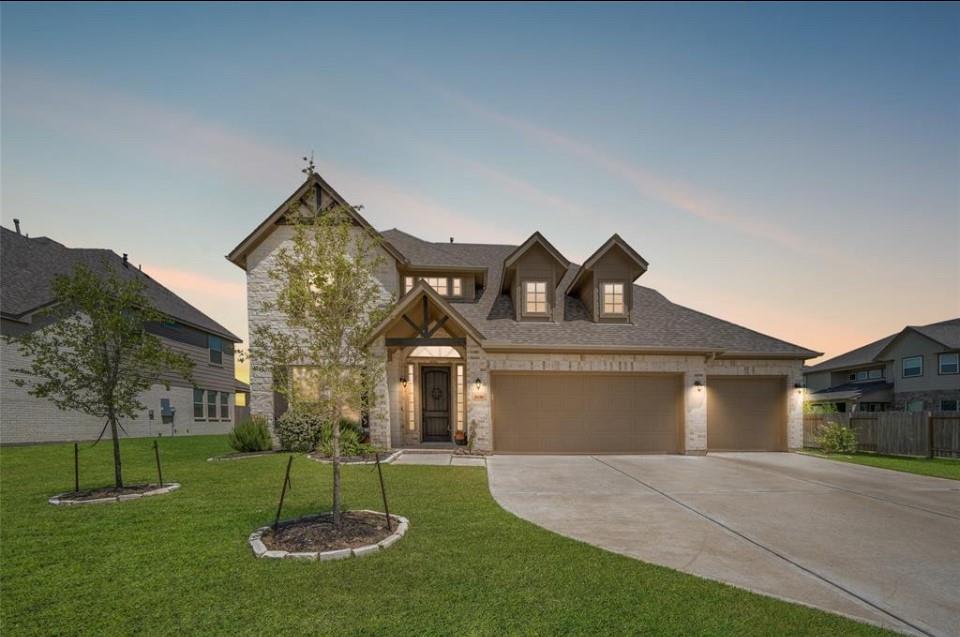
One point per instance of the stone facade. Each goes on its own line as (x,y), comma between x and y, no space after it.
(931,398)
(480,364)
(261,288)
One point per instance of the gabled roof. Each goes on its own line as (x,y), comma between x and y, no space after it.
(657,325)
(946,333)
(535,239)
(29,266)
(419,290)
(612,242)
(238,255)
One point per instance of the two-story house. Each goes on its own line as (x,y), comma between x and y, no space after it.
(520,350)
(916,369)
(203,406)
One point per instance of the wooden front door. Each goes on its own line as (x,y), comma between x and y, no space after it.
(436,404)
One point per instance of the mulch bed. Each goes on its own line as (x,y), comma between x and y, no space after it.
(109,492)
(358,528)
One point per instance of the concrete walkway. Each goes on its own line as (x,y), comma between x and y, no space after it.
(439,459)
(873,544)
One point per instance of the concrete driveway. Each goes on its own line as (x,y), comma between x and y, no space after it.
(873,544)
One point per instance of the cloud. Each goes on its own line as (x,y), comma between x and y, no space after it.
(147,129)
(674,193)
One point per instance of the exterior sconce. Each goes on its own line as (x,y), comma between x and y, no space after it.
(798,387)
(698,385)
(403,382)
(478,383)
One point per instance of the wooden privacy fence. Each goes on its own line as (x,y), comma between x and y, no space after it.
(897,433)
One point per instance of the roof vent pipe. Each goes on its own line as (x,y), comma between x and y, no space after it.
(124,259)
(16,222)
(451,239)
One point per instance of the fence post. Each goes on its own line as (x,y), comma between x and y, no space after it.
(929,416)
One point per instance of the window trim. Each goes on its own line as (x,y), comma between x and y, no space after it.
(623,298)
(940,356)
(903,366)
(211,339)
(546,298)
(203,405)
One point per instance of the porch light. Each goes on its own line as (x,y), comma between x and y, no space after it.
(478,383)
(403,382)
(798,387)
(698,384)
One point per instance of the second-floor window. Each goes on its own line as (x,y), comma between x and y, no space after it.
(912,366)
(535,297)
(866,374)
(611,300)
(438,283)
(216,349)
(949,363)
(456,286)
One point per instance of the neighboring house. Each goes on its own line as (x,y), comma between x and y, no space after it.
(916,369)
(519,350)
(28,270)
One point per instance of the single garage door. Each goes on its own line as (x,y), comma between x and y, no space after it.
(746,414)
(586,413)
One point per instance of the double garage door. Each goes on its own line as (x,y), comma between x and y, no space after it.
(628,413)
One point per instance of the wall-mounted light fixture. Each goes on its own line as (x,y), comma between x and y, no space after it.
(403,382)
(798,387)
(478,383)
(698,384)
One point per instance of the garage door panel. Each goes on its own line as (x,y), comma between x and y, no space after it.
(586,413)
(746,414)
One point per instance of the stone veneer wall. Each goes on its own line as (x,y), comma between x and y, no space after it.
(480,364)
(260,288)
(931,398)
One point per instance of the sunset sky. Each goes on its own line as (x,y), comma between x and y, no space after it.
(792,168)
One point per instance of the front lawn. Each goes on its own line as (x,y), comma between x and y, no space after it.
(180,563)
(935,467)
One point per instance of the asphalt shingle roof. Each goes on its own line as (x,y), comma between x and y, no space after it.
(656,323)
(945,332)
(29,266)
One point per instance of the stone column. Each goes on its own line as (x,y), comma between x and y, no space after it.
(479,418)
(380,412)
(695,412)
(795,409)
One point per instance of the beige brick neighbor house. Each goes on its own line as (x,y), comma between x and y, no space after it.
(519,350)
(204,406)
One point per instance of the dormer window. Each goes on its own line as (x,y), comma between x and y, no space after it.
(534,297)
(612,299)
(407,284)
(438,283)
(456,284)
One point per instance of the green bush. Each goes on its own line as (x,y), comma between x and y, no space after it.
(298,430)
(834,437)
(351,436)
(251,434)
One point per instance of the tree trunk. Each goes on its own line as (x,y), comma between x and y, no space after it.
(117,471)
(335,431)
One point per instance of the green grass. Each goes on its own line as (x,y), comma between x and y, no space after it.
(180,564)
(936,467)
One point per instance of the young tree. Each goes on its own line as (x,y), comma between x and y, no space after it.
(95,355)
(328,294)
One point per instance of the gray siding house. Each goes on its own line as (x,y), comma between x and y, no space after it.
(205,406)
(519,350)
(916,369)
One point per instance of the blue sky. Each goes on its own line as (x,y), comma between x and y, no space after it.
(794,168)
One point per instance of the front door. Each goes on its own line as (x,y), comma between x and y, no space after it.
(436,404)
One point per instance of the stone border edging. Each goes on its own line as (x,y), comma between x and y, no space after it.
(260,549)
(393,456)
(59,500)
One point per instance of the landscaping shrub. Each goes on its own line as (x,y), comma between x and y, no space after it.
(251,434)
(351,437)
(298,430)
(834,437)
